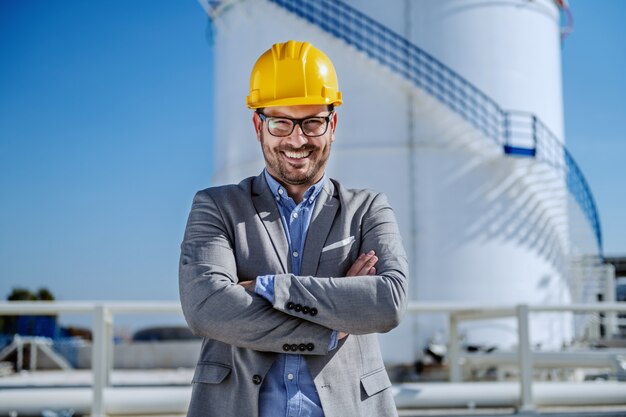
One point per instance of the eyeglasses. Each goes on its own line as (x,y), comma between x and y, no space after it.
(284,126)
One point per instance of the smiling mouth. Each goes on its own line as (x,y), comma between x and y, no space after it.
(297,155)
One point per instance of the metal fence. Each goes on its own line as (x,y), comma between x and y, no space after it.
(103,316)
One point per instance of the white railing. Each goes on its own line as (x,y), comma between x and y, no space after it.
(458,313)
(103,316)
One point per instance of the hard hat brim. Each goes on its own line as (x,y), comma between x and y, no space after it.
(295,101)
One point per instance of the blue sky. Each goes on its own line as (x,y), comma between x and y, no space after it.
(105,120)
(594,90)
(105,127)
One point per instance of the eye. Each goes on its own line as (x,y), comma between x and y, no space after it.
(314,124)
(279,124)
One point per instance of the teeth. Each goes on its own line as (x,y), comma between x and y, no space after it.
(297,155)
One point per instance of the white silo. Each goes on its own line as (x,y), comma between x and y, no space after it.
(433,91)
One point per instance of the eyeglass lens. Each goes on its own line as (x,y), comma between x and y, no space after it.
(313,126)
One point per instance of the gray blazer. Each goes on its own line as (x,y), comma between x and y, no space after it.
(234,233)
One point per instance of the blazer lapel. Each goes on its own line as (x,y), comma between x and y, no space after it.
(321,221)
(267,211)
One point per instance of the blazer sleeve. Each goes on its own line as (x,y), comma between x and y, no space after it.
(216,307)
(356,305)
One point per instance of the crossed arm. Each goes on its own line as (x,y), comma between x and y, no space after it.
(364,265)
(217,305)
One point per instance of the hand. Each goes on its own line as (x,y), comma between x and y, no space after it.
(248,285)
(364,265)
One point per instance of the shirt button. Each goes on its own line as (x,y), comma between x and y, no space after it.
(290,377)
(256,379)
(280,191)
(295,254)
(295,215)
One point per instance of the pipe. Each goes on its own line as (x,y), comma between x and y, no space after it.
(175,400)
(507,394)
(116,401)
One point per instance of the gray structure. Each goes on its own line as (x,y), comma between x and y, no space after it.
(619,265)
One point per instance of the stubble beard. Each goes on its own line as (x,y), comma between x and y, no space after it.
(274,160)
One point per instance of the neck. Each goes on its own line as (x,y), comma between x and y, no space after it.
(296,192)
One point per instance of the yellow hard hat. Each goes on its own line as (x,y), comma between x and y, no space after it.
(293,73)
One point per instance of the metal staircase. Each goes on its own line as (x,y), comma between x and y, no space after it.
(520,134)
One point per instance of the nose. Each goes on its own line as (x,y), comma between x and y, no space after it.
(297,137)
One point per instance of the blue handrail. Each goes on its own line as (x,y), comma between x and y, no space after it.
(426,72)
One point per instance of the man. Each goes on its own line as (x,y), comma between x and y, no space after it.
(289,275)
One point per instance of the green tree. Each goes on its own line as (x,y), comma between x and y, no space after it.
(44,294)
(21,294)
(8,324)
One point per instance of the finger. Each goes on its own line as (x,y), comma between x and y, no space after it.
(363,267)
(248,284)
(372,271)
(358,265)
(369,264)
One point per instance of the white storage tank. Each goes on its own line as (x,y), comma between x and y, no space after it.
(480,226)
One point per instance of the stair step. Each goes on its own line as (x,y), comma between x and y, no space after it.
(520,151)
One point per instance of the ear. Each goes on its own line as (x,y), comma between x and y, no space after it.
(258,125)
(333,126)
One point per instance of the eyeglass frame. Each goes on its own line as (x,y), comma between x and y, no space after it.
(296,122)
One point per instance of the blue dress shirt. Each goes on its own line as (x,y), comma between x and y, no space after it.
(288,389)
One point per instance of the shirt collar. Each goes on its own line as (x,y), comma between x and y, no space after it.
(280,192)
